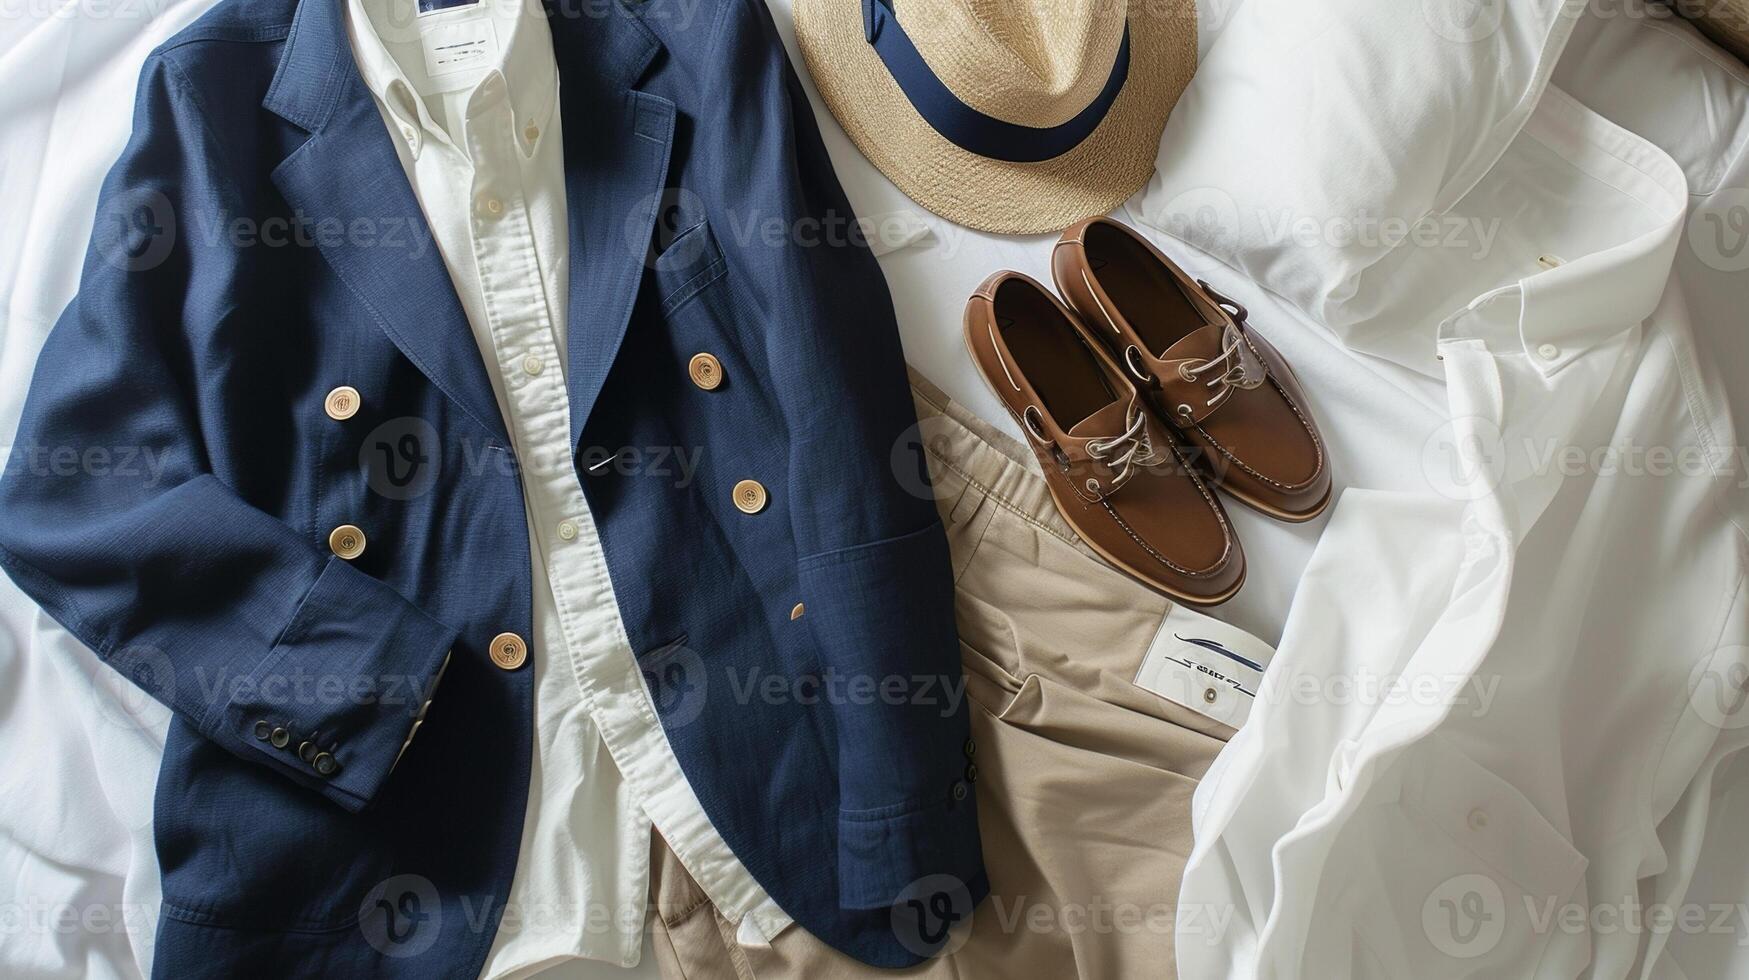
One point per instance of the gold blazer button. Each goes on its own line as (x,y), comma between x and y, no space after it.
(342,403)
(509,651)
(706,371)
(347,541)
(750,497)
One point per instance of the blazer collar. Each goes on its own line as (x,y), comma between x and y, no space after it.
(312,67)
(607,40)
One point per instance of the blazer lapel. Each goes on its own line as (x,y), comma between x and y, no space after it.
(617,143)
(348,172)
(617,147)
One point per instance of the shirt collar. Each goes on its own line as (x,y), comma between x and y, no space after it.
(526,71)
(1572,305)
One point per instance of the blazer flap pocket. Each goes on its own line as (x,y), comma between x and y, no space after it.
(692,261)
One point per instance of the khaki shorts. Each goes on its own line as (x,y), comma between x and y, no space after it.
(1084,779)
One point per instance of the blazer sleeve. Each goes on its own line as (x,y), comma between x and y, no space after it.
(235,620)
(874,567)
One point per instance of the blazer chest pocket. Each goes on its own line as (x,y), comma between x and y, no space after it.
(704,314)
(687,267)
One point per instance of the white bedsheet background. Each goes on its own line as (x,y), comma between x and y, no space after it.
(79,748)
(78,878)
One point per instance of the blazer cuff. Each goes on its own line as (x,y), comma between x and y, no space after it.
(885,857)
(336,699)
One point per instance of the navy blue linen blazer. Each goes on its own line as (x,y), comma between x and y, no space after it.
(257,246)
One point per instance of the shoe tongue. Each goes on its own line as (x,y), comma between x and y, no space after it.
(1200,344)
(1105,423)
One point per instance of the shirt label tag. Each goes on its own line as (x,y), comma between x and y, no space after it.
(459,46)
(1205,665)
(433,6)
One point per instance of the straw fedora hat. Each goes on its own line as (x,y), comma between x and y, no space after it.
(1011,116)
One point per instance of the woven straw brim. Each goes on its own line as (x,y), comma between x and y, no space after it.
(996,195)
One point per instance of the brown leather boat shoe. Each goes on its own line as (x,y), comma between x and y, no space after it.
(1228,393)
(1115,472)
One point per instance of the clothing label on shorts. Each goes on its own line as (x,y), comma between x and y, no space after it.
(1205,665)
(453,47)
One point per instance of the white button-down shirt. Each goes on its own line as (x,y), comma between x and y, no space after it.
(1499,733)
(470,94)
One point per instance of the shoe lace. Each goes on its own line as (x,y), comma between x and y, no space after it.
(1127,451)
(1234,373)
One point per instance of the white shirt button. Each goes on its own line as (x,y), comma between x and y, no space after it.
(410,134)
(1548,352)
(532,133)
(491,207)
(1478,819)
(533,364)
(567,530)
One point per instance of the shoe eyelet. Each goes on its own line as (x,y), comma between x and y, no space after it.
(1187,413)
(1231,306)
(1132,359)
